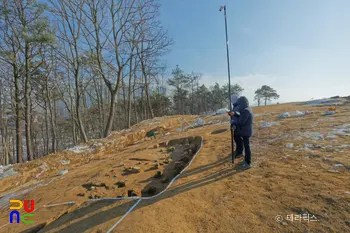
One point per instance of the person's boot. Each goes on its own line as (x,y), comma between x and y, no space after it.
(246,166)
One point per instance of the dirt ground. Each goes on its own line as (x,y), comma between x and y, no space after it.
(301,167)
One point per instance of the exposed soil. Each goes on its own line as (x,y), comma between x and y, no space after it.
(295,171)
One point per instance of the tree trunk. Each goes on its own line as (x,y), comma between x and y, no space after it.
(124,106)
(135,102)
(265,101)
(111,114)
(143,113)
(52,121)
(77,107)
(47,130)
(19,145)
(148,99)
(129,95)
(27,108)
(75,141)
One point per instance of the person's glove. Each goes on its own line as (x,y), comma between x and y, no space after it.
(233,126)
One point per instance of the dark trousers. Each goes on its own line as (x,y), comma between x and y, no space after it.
(243,142)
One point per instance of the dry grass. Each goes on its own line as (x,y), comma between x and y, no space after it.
(212,195)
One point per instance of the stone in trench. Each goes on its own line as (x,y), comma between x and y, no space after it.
(158,174)
(187,143)
(171,149)
(163,144)
(132,193)
(165,180)
(152,190)
(156,165)
(120,184)
(133,170)
(179,166)
(185,159)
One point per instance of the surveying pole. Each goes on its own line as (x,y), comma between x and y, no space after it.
(229,81)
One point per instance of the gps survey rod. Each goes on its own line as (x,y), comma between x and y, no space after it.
(229,81)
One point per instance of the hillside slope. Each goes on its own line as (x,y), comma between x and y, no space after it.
(300,166)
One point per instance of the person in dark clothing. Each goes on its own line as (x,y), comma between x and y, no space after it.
(242,121)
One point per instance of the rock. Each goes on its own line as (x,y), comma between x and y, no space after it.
(132,193)
(179,166)
(152,190)
(171,149)
(81,194)
(61,173)
(333,171)
(158,174)
(185,159)
(120,184)
(161,150)
(155,146)
(166,161)
(156,165)
(163,144)
(284,223)
(132,170)
(289,145)
(193,147)
(187,142)
(94,197)
(136,169)
(65,162)
(161,164)
(121,164)
(165,180)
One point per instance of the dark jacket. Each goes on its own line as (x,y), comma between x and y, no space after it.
(244,120)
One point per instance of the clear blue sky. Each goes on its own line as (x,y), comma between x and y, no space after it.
(299,47)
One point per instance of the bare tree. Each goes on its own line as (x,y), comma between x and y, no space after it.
(70,20)
(10,45)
